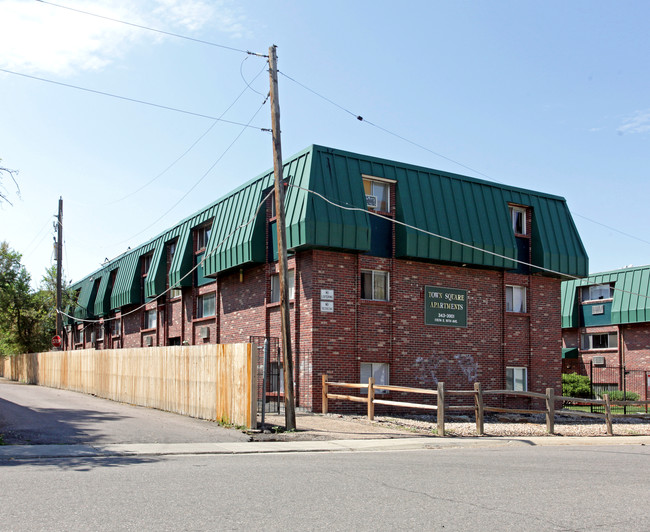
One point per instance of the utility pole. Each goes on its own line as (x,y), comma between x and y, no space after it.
(289,403)
(59,269)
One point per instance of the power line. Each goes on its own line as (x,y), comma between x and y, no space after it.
(199,180)
(192,270)
(169,167)
(133,100)
(362,119)
(142,27)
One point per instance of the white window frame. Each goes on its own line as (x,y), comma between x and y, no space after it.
(587,341)
(517,378)
(275,286)
(99,334)
(379,370)
(201,305)
(516,299)
(116,327)
(146,264)
(515,212)
(149,317)
(203,236)
(596,292)
(376,275)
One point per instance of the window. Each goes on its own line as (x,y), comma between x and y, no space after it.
(377,195)
(146,264)
(597,291)
(374,285)
(517,379)
(116,327)
(205,306)
(378,371)
(275,286)
(77,335)
(175,292)
(518,217)
(203,236)
(150,317)
(100,332)
(600,341)
(515,299)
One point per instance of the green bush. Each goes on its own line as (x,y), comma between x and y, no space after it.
(618,395)
(574,385)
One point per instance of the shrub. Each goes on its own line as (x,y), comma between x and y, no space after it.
(574,385)
(618,395)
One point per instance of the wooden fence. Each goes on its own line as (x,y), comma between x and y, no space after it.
(215,382)
(479,406)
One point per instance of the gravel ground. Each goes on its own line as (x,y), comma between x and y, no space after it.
(337,426)
(519,425)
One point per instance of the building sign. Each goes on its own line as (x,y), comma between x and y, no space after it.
(327,306)
(445,306)
(327,295)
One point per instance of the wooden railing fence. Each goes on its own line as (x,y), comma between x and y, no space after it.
(479,406)
(215,382)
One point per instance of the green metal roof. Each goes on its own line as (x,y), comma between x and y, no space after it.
(457,207)
(631,301)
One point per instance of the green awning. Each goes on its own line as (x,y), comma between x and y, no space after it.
(569,352)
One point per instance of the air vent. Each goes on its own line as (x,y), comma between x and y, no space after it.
(371,201)
(598,361)
(597,309)
(204,332)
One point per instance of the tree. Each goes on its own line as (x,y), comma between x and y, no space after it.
(27,317)
(7,172)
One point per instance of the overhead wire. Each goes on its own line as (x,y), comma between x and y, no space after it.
(170,166)
(155,30)
(190,272)
(133,100)
(347,208)
(205,174)
(416,144)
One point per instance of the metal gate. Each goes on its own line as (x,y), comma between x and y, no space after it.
(617,378)
(270,384)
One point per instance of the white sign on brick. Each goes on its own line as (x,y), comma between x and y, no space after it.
(327,306)
(327,295)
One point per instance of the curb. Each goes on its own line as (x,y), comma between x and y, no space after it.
(31,452)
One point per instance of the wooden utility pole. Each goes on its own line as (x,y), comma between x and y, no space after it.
(59,269)
(289,403)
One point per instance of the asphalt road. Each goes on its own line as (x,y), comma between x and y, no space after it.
(39,415)
(502,488)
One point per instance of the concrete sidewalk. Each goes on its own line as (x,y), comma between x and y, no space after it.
(31,452)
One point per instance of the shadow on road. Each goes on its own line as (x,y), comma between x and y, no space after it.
(80,463)
(20,425)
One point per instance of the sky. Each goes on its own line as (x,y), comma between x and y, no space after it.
(552,96)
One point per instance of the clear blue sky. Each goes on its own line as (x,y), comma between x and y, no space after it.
(552,96)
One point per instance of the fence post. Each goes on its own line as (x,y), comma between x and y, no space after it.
(371,398)
(324,393)
(550,410)
(608,415)
(441,409)
(478,408)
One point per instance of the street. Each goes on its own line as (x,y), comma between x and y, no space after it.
(167,484)
(501,488)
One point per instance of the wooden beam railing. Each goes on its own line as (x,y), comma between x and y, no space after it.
(479,406)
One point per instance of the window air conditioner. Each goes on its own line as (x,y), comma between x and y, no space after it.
(597,309)
(598,361)
(148,341)
(371,201)
(204,332)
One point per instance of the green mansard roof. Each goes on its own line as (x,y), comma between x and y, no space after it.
(630,302)
(460,208)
